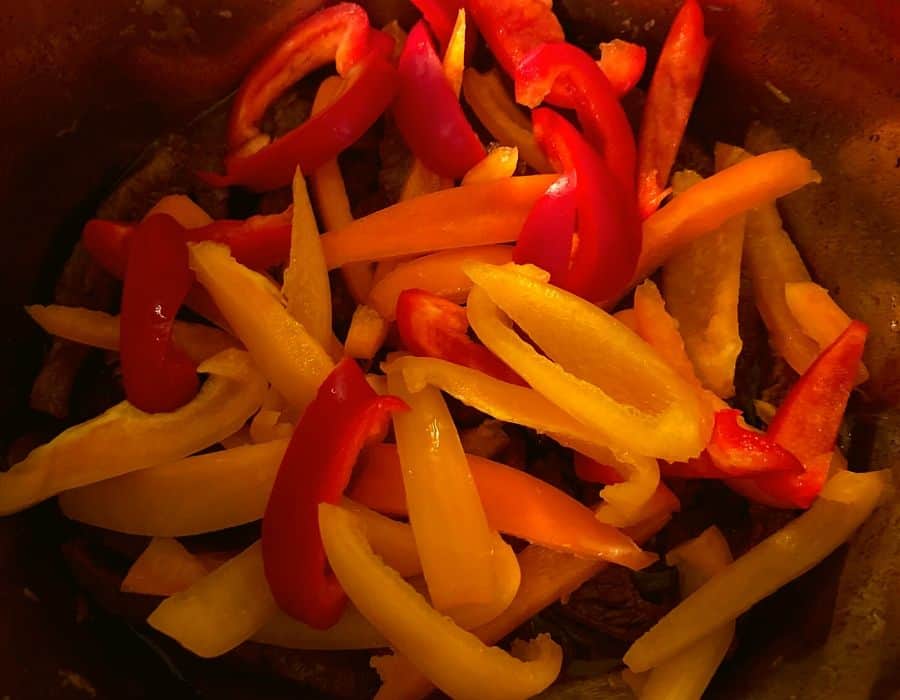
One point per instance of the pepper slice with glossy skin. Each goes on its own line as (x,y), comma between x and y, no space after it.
(546,238)
(623,64)
(345,414)
(431,326)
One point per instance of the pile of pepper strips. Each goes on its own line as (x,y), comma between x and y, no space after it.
(583,231)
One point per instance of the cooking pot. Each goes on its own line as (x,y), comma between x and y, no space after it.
(85,85)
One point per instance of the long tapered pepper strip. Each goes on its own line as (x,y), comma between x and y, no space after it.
(623,64)
(686,675)
(844,504)
(807,422)
(701,284)
(331,196)
(368,330)
(499,164)
(547,236)
(709,204)
(439,273)
(430,326)
(282,348)
(460,553)
(101,330)
(344,415)
(455,659)
(124,439)
(515,503)
(454,62)
(676,81)
(496,110)
(547,577)
(157,375)
(461,217)
(164,568)
(606,376)
(306,286)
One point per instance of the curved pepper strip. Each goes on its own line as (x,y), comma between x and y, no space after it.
(547,236)
(124,439)
(844,504)
(599,112)
(439,273)
(431,326)
(623,64)
(609,234)
(285,352)
(499,114)
(471,573)
(499,164)
(807,423)
(158,376)
(345,414)
(515,503)
(101,330)
(676,81)
(428,112)
(456,660)
(441,16)
(596,369)
(460,217)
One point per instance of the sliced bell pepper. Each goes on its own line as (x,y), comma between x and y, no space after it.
(340,33)
(609,235)
(456,218)
(428,113)
(101,330)
(431,326)
(807,422)
(441,16)
(345,414)
(499,114)
(464,561)
(515,503)
(439,273)
(181,208)
(686,675)
(701,284)
(845,503)
(164,568)
(285,352)
(499,164)
(306,287)
(267,426)
(460,664)
(421,181)
(596,104)
(454,62)
(673,89)
(596,369)
(547,236)
(124,439)
(368,330)
(158,376)
(623,64)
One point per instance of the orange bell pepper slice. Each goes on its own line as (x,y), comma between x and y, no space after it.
(499,164)
(461,217)
(164,568)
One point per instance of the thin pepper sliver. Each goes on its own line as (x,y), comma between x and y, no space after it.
(499,164)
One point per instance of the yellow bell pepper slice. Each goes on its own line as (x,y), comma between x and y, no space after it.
(164,568)
(306,285)
(455,660)
(845,502)
(686,675)
(438,273)
(460,554)
(267,426)
(499,164)
(368,331)
(596,369)
(455,55)
(501,116)
(701,283)
(124,439)
(181,208)
(460,217)
(285,352)
(101,330)
(709,204)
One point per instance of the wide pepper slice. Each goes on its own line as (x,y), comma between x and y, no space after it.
(345,414)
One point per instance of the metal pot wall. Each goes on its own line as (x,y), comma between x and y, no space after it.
(86,85)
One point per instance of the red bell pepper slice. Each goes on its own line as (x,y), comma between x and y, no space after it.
(623,64)
(158,376)
(807,423)
(431,326)
(340,33)
(590,92)
(440,16)
(609,234)
(676,81)
(546,238)
(428,112)
(595,472)
(344,417)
